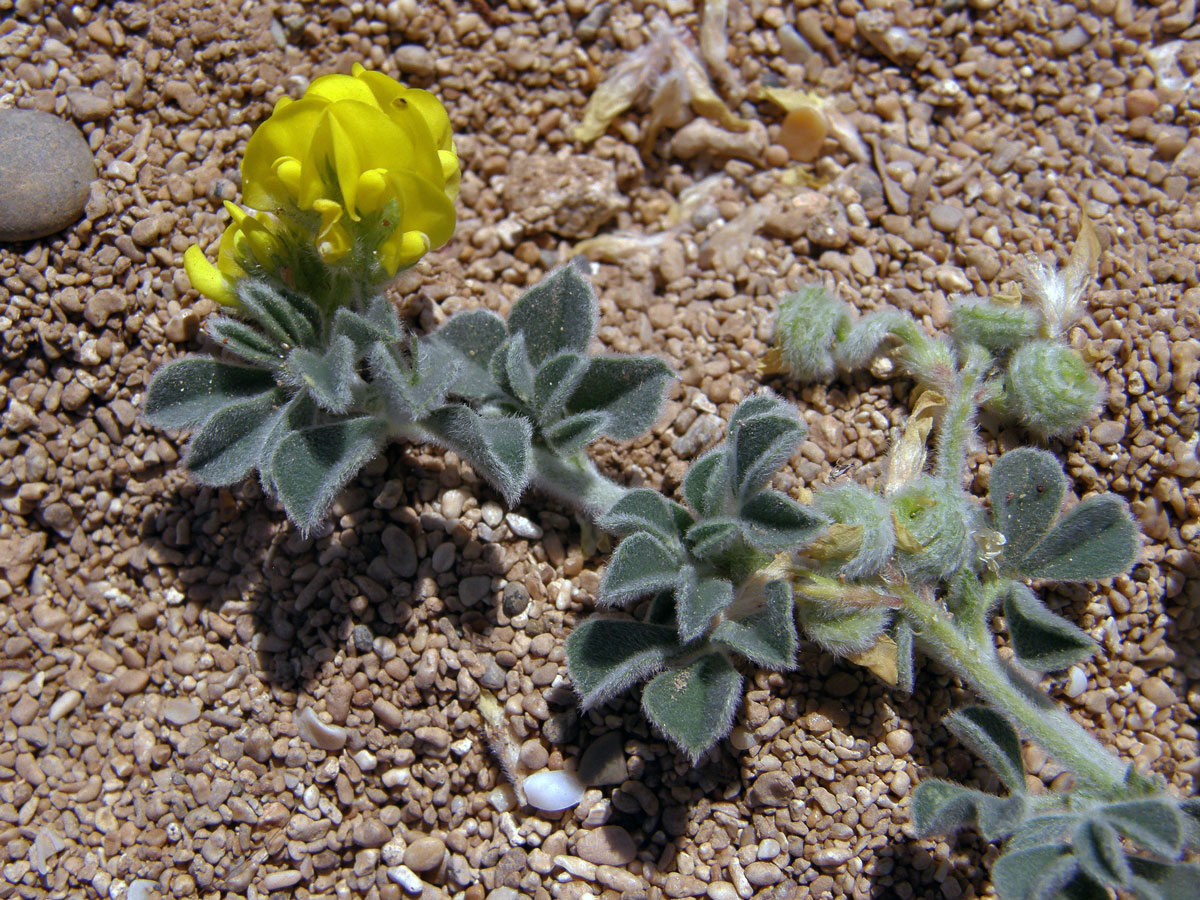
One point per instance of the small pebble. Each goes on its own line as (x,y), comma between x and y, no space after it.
(180,712)
(32,143)
(552,791)
(523,527)
(410,882)
(425,854)
(609,845)
(320,734)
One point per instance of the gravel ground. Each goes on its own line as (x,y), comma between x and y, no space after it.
(195,702)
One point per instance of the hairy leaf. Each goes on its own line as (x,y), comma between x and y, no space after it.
(628,388)
(992,325)
(1026,491)
(644,509)
(608,656)
(187,391)
(772,522)
(330,377)
(994,740)
(943,807)
(497,447)
(297,414)
(412,388)
(1041,640)
(767,636)
(842,630)
(697,600)
(1039,831)
(555,381)
(693,705)
(1033,874)
(245,341)
(556,315)
(1098,850)
(290,318)
(380,323)
(232,441)
(1153,880)
(997,817)
(518,370)
(706,484)
(712,537)
(641,565)
(310,467)
(1153,822)
(470,339)
(572,434)
(759,445)
(1097,539)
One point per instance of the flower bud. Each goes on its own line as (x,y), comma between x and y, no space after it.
(995,326)
(934,525)
(1050,389)
(809,324)
(852,505)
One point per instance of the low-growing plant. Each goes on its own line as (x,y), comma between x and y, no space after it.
(313,372)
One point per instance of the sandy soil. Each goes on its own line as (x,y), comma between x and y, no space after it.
(160,641)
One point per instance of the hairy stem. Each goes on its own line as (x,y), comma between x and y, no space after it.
(1097,772)
(575,481)
(958,423)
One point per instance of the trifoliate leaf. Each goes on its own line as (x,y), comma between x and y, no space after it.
(1026,491)
(233,440)
(1097,539)
(1041,640)
(641,565)
(470,339)
(629,389)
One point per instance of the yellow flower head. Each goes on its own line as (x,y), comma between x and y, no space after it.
(356,146)
(360,159)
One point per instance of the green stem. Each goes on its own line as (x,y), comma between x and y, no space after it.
(1097,772)
(959,420)
(575,481)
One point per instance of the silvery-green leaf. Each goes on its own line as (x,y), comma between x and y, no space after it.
(497,447)
(1026,491)
(1097,539)
(1041,640)
(629,389)
(187,391)
(232,441)
(555,315)
(766,637)
(290,318)
(310,467)
(697,600)
(608,656)
(706,484)
(772,522)
(693,705)
(993,739)
(644,509)
(470,339)
(330,377)
(244,341)
(641,565)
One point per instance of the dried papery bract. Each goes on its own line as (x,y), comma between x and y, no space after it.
(1059,293)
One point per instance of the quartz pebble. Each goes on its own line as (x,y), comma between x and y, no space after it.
(46,169)
(320,734)
(552,791)
(180,712)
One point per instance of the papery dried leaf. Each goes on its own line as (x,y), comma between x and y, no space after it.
(704,99)
(614,248)
(904,538)
(1059,293)
(788,99)
(908,457)
(693,197)
(883,659)
(840,541)
(714,40)
(846,133)
(1083,264)
(668,108)
(628,80)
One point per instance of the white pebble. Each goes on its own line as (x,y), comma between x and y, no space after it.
(365,760)
(319,734)
(279,880)
(142,889)
(1076,682)
(553,791)
(522,527)
(408,880)
(492,513)
(180,712)
(502,799)
(397,777)
(64,705)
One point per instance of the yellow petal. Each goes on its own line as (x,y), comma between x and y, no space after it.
(450,172)
(286,134)
(206,279)
(290,173)
(335,88)
(374,189)
(426,208)
(403,249)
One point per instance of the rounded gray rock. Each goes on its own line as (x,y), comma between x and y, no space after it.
(46,169)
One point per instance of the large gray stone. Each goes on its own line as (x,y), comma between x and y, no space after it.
(46,169)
